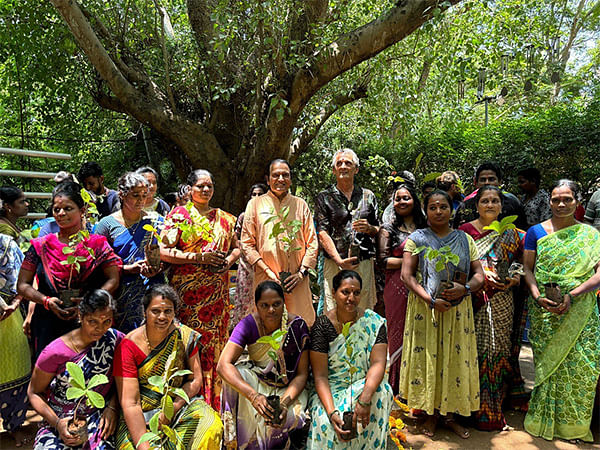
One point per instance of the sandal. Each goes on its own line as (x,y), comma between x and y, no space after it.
(428,427)
(458,429)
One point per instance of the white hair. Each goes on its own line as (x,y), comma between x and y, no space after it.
(348,151)
(131,180)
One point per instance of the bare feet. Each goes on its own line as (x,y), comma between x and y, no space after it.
(458,429)
(428,427)
(19,437)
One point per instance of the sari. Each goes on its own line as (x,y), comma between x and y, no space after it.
(95,359)
(45,258)
(198,425)
(566,347)
(494,325)
(345,390)
(204,294)
(244,291)
(129,244)
(15,357)
(390,243)
(244,427)
(439,361)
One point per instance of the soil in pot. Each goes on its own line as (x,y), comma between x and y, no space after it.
(79,429)
(502,270)
(153,255)
(347,426)
(553,293)
(66,297)
(282,277)
(444,284)
(273,401)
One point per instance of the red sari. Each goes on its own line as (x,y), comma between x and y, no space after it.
(204,294)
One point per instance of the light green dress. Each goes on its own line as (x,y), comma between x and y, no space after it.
(439,368)
(566,348)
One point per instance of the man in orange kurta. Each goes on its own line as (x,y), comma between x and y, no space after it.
(267,256)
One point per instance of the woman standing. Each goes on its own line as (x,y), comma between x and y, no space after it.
(91,346)
(408,216)
(439,363)
(248,417)
(143,355)
(124,231)
(15,358)
(199,273)
(244,304)
(153,203)
(369,395)
(565,332)
(493,307)
(45,258)
(13,206)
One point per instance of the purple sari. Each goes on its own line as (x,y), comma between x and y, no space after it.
(244,428)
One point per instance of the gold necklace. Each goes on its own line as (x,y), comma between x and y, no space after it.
(146,336)
(73,344)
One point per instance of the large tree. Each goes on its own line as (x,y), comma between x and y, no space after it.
(230,85)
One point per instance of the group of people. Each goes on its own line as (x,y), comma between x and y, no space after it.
(122,284)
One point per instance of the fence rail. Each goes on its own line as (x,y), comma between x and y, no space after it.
(34,153)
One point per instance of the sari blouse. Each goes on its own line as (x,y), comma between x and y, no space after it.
(295,341)
(45,256)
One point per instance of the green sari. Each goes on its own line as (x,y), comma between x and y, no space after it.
(197,423)
(566,347)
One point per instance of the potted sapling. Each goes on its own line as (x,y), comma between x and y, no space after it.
(274,341)
(284,233)
(443,258)
(349,359)
(91,210)
(80,390)
(152,249)
(74,262)
(502,266)
(164,436)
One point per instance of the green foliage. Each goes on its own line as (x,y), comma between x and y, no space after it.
(350,356)
(500,227)
(79,389)
(273,340)
(284,231)
(198,227)
(442,257)
(73,260)
(91,211)
(159,434)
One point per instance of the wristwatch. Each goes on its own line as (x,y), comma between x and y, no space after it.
(303,272)
(468,289)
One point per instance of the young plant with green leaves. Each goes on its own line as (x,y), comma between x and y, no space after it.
(91,210)
(274,341)
(503,225)
(159,434)
(197,228)
(80,390)
(442,257)
(350,360)
(73,260)
(284,231)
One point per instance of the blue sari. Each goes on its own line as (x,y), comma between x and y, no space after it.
(129,244)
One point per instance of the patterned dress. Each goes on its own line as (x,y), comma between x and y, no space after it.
(205,294)
(364,334)
(566,348)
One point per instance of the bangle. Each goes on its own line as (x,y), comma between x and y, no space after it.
(432,303)
(570,296)
(361,403)
(285,403)
(56,424)
(112,407)
(537,300)
(332,413)
(46,303)
(254,398)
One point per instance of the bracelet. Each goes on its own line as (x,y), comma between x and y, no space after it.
(284,403)
(332,413)
(432,303)
(56,424)
(256,394)
(537,300)
(570,297)
(361,403)
(46,302)
(112,407)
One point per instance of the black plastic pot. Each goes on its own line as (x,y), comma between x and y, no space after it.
(66,297)
(273,401)
(282,277)
(79,429)
(347,426)
(552,292)
(502,270)
(152,252)
(216,269)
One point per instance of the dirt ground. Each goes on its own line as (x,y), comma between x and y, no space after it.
(515,439)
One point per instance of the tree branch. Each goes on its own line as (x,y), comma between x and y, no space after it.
(310,132)
(359,45)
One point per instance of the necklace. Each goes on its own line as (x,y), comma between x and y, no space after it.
(146,336)
(129,224)
(338,325)
(73,344)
